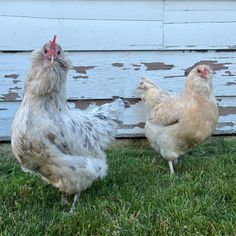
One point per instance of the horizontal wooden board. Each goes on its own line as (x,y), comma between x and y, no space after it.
(200,16)
(79,34)
(200,35)
(84,10)
(103,75)
(199,24)
(134,118)
(118,25)
(205,5)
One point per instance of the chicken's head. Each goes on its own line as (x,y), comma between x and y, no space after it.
(51,56)
(49,69)
(52,50)
(200,79)
(202,72)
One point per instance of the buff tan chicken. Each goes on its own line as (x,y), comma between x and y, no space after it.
(176,124)
(65,147)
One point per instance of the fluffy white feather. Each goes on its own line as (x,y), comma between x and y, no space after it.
(178,123)
(65,147)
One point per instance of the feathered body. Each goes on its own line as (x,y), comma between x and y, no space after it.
(178,123)
(65,147)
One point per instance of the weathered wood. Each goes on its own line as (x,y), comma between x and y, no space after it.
(134,117)
(199,16)
(160,30)
(84,9)
(81,25)
(119,25)
(206,5)
(80,34)
(103,75)
(200,35)
(199,24)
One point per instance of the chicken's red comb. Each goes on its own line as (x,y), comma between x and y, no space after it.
(53,46)
(53,42)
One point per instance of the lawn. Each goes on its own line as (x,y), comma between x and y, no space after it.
(138,197)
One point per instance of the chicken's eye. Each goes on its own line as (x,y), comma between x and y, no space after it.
(198,71)
(45,51)
(59,52)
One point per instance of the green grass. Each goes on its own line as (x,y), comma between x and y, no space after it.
(138,197)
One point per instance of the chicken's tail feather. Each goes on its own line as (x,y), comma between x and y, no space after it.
(107,118)
(149,92)
(110,111)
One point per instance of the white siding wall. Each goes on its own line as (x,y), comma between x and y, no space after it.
(113,43)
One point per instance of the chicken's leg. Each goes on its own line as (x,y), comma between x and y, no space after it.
(171,167)
(76,199)
(64,199)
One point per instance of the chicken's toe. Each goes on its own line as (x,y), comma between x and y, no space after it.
(74,204)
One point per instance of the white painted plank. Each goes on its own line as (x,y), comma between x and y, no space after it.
(199,24)
(200,36)
(200,16)
(134,118)
(102,75)
(80,34)
(86,10)
(206,5)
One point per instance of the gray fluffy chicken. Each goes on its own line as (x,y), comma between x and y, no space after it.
(65,147)
(178,123)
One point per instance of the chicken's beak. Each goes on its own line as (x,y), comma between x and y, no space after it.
(52,58)
(204,73)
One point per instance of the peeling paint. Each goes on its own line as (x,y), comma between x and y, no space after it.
(157,66)
(15,88)
(15,81)
(136,65)
(173,76)
(13,76)
(223,124)
(200,50)
(224,111)
(228,73)
(139,125)
(85,103)
(11,96)
(232,47)
(231,83)
(133,101)
(215,66)
(117,64)
(83,69)
(80,77)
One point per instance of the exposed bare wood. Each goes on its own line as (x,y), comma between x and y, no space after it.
(123,40)
(103,75)
(134,118)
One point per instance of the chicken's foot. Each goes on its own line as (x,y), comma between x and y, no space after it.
(76,199)
(64,199)
(171,167)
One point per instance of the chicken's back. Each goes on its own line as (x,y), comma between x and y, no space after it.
(194,122)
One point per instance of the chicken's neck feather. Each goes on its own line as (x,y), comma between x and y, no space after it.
(199,90)
(46,85)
